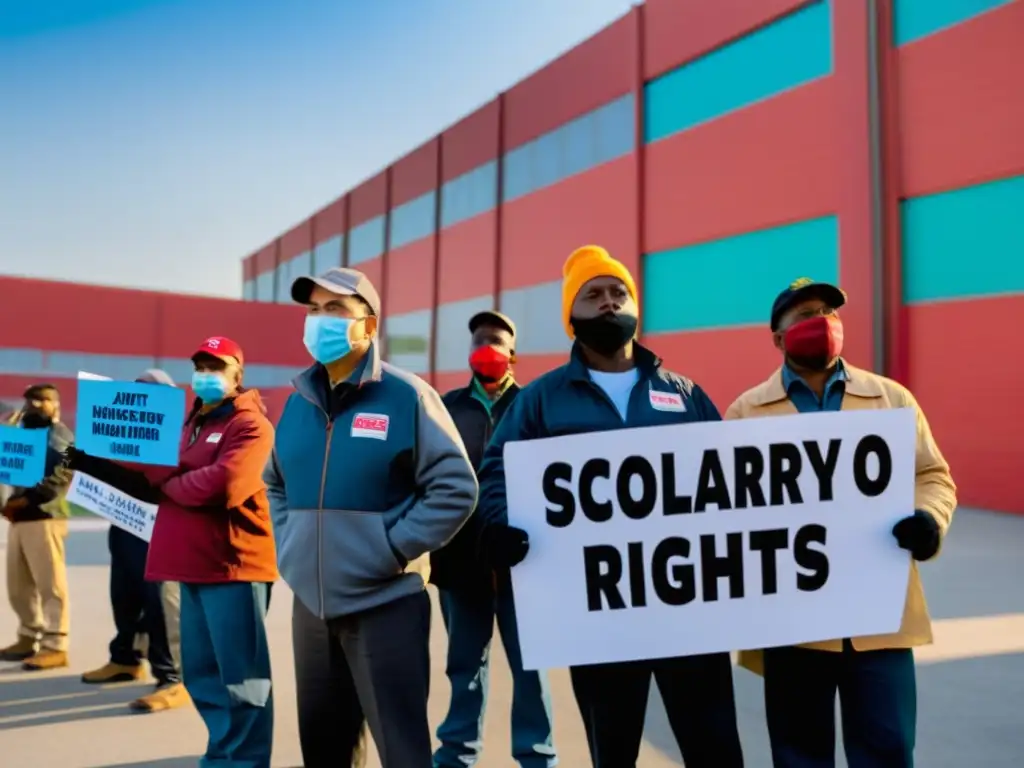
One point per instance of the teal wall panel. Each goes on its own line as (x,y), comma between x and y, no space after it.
(733,281)
(964,243)
(789,52)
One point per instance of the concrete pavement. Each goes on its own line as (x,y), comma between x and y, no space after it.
(971,682)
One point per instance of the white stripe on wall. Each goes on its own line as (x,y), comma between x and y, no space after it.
(453,331)
(407,341)
(537,313)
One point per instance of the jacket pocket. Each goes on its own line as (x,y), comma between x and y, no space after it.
(357,548)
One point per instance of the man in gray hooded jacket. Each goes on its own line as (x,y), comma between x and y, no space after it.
(368,476)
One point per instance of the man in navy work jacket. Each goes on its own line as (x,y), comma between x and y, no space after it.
(611,382)
(472,595)
(367,478)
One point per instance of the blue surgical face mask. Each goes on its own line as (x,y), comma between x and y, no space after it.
(209,387)
(327,338)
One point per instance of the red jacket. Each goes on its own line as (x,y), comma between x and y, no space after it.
(213,523)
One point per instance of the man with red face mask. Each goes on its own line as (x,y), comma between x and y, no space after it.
(874,676)
(472,594)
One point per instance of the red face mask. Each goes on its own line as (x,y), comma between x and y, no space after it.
(489,364)
(814,343)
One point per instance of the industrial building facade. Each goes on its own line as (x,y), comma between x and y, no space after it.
(721,149)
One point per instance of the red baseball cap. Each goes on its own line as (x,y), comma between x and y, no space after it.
(222,348)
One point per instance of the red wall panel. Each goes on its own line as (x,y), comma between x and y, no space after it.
(297,240)
(750,360)
(961,115)
(851,121)
(530,367)
(593,73)
(471,142)
(266,259)
(449,380)
(268,333)
(976,419)
(374,270)
(410,277)
(467,260)
(368,200)
(415,174)
(769,164)
(330,221)
(540,230)
(249,267)
(77,318)
(676,32)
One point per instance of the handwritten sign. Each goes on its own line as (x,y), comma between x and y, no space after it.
(22,455)
(124,511)
(130,421)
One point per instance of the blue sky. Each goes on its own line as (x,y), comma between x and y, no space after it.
(153,143)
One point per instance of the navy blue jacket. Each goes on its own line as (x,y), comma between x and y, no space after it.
(365,480)
(566,401)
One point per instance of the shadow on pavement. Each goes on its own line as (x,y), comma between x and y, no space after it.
(87,548)
(170,762)
(27,700)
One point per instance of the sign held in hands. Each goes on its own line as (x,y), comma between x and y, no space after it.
(714,536)
(22,455)
(122,510)
(129,421)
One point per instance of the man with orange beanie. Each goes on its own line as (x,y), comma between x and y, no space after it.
(612,382)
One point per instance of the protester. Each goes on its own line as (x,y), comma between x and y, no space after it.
(472,596)
(139,606)
(37,576)
(368,476)
(609,383)
(213,535)
(874,676)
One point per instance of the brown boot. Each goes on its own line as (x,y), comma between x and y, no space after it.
(169,696)
(114,673)
(46,660)
(20,651)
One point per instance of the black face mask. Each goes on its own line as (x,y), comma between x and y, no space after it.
(34,420)
(605,334)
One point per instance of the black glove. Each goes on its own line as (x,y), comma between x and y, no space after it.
(126,480)
(919,534)
(505,546)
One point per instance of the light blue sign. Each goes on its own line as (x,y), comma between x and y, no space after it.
(22,455)
(130,421)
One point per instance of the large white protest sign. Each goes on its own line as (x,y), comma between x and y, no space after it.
(119,508)
(714,536)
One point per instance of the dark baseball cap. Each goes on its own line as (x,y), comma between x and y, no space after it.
(339,280)
(802,289)
(494,318)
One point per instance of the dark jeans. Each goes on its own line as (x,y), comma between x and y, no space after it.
(878,702)
(373,668)
(469,619)
(226,663)
(698,696)
(138,608)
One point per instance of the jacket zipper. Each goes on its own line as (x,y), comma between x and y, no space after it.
(320,519)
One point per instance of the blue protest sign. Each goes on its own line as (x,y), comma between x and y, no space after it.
(130,421)
(22,455)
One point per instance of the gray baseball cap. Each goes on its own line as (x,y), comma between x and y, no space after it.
(339,280)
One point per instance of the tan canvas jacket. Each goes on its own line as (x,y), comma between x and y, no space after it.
(935,492)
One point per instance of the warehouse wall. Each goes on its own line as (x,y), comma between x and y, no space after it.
(960,198)
(119,333)
(722,149)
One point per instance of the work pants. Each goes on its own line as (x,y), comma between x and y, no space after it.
(368,668)
(878,702)
(469,619)
(138,607)
(226,669)
(698,695)
(37,581)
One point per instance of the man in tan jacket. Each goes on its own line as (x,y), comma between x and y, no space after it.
(874,676)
